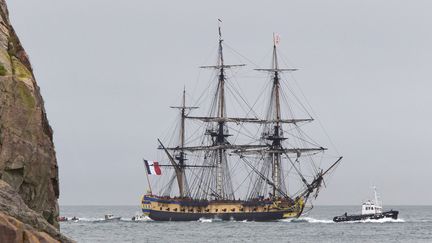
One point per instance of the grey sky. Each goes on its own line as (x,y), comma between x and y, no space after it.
(108,70)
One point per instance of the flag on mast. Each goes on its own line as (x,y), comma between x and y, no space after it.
(276,39)
(152,167)
(219,27)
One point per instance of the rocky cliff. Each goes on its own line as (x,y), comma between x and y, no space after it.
(19,223)
(27,157)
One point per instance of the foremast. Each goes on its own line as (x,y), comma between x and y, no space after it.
(275,133)
(274,136)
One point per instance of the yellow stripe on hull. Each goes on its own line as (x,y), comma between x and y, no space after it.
(178,206)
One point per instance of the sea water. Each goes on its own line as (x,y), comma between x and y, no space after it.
(414,225)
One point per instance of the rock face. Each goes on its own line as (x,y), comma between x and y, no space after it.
(27,157)
(19,223)
(15,231)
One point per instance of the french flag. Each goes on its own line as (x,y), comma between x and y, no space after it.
(152,167)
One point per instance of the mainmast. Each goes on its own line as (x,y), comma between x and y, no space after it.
(221,113)
(277,132)
(220,133)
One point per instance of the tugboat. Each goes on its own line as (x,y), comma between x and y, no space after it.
(370,210)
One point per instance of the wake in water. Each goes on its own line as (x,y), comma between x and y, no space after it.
(211,220)
(102,220)
(307,220)
(380,221)
(89,220)
(326,221)
(214,220)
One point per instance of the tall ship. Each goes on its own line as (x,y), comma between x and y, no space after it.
(237,167)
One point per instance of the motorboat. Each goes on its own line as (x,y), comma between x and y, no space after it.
(140,217)
(371,210)
(111,217)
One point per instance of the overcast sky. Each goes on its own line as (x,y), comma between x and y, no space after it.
(108,70)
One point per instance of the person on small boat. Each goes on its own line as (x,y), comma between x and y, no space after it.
(62,219)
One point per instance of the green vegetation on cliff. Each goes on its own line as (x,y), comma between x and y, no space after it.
(26,96)
(3,70)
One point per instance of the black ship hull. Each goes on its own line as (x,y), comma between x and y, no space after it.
(172,209)
(252,216)
(344,218)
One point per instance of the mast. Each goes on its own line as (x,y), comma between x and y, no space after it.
(220,179)
(182,158)
(221,112)
(276,133)
(220,133)
(377,202)
(276,157)
(181,174)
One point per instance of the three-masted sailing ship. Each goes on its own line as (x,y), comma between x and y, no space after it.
(205,186)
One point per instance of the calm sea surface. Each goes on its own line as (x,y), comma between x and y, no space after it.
(414,225)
